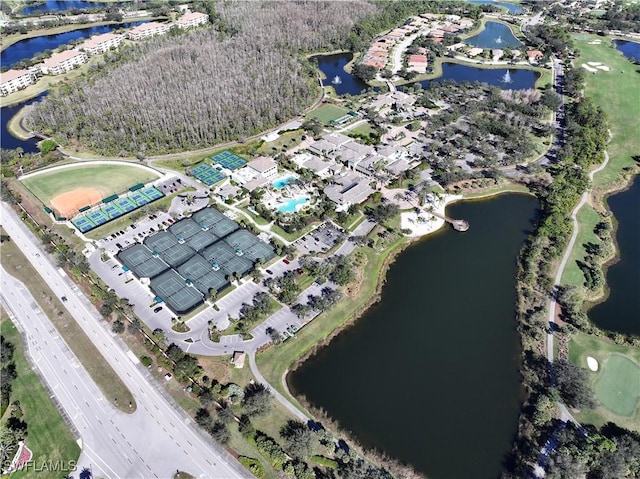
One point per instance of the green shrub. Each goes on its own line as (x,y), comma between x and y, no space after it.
(324,461)
(253,465)
(270,449)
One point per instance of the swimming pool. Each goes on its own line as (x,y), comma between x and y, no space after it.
(290,205)
(282,182)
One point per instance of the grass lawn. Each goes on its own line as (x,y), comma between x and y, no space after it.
(108,179)
(326,113)
(291,236)
(494,190)
(104,376)
(587,220)
(364,129)
(179,164)
(275,361)
(49,437)
(618,371)
(282,143)
(614,92)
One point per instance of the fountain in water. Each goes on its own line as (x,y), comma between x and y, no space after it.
(499,40)
(507,77)
(336,80)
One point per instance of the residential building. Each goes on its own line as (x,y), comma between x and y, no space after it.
(264,167)
(63,62)
(534,55)
(192,19)
(102,43)
(14,80)
(328,143)
(147,30)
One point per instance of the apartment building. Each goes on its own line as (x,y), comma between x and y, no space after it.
(14,80)
(102,43)
(63,62)
(147,30)
(192,19)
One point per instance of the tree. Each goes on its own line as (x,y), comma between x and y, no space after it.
(220,432)
(297,438)
(573,385)
(364,72)
(203,418)
(47,146)
(117,327)
(257,400)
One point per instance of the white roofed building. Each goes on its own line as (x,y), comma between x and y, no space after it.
(102,43)
(192,19)
(147,30)
(264,167)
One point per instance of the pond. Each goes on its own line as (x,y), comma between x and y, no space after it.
(619,312)
(60,6)
(505,78)
(494,35)
(631,50)
(8,140)
(333,66)
(30,47)
(508,79)
(429,374)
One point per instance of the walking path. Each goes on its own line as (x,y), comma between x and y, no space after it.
(565,414)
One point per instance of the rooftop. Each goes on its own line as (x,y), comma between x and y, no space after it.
(58,58)
(262,164)
(12,75)
(98,39)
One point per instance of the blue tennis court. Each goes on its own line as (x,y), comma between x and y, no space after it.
(112,211)
(125,204)
(206,174)
(139,199)
(98,217)
(83,224)
(229,160)
(152,193)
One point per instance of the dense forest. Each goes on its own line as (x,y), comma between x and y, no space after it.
(189,91)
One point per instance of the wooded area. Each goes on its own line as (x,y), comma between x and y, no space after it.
(189,91)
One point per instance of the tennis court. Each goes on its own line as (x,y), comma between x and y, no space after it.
(83,224)
(207,216)
(201,240)
(141,261)
(229,160)
(225,256)
(170,250)
(125,204)
(97,217)
(152,193)
(185,229)
(138,198)
(207,175)
(204,277)
(245,242)
(112,211)
(174,291)
(328,114)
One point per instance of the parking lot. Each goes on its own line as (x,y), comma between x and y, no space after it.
(320,240)
(136,233)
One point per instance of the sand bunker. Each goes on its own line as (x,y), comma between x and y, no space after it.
(595,42)
(67,204)
(592,363)
(588,68)
(594,64)
(604,68)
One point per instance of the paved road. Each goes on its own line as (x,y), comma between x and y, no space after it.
(154,441)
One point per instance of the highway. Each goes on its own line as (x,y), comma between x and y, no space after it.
(157,439)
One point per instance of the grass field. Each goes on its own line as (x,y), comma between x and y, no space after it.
(104,376)
(618,385)
(284,142)
(587,218)
(49,437)
(618,371)
(614,92)
(326,113)
(108,179)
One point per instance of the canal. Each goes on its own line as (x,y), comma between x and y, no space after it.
(429,374)
(619,312)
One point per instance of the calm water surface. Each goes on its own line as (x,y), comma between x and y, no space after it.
(620,312)
(332,66)
(26,49)
(7,140)
(494,35)
(60,6)
(429,374)
(631,50)
(514,9)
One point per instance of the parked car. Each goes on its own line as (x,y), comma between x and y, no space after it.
(64,299)
(286,261)
(269,271)
(158,309)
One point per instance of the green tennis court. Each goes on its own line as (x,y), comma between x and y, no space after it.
(326,114)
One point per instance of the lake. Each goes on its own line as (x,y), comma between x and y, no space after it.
(514,9)
(429,374)
(61,6)
(494,35)
(333,65)
(631,50)
(9,141)
(30,47)
(619,312)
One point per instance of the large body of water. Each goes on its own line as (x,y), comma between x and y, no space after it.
(333,66)
(631,50)
(620,311)
(61,6)
(30,47)
(494,35)
(429,374)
